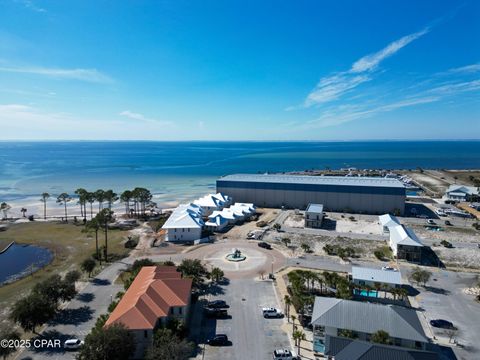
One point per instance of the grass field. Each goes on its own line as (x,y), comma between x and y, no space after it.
(69,245)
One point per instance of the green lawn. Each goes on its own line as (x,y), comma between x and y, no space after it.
(68,243)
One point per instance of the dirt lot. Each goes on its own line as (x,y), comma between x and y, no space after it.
(363,248)
(343,224)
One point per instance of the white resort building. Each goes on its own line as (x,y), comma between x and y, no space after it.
(188,221)
(185,223)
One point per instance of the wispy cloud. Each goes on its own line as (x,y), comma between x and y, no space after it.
(332,87)
(88,75)
(29,4)
(140,117)
(468,69)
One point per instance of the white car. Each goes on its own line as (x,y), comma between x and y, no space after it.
(72,344)
(284,354)
(388,268)
(269,312)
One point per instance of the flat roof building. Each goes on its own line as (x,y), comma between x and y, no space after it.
(345,194)
(369,276)
(314,216)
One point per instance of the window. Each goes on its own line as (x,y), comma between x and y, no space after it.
(145,334)
(180,311)
(189,230)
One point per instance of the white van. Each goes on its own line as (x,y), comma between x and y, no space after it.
(284,354)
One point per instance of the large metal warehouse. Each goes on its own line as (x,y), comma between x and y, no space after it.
(349,194)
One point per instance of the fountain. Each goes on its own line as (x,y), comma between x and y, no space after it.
(236,256)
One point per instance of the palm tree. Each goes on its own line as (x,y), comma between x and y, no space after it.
(44,199)
(63,199)
(298,336)
(82,201)
(90,198)
(103,218)
(23,211)
(288,302)
(110,198)
(5,208)
(125,197)
(216,274)
(100,197)
(93,225)
(305,247)
(378,287)
(293,317)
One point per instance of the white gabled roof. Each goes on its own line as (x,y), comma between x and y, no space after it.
(217,221)
(469,190)
(185,216)
(388,220)
(401,235)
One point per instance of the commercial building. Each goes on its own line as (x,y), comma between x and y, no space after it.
(314,216)
(366,276)
(157,294)
(343,194)
(335,317)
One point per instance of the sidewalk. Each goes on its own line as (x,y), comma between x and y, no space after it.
(306,346)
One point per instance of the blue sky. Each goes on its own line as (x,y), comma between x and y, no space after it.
(239,70)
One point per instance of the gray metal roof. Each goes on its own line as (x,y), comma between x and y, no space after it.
(316,180)
(349,349)
(368,318)
(315,208)
(376,275)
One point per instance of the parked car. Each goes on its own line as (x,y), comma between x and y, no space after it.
(216,313)
(218,340)
(441,323)
(447,222)
(272,312)
(388,268)
(265,245)
(72,344)
(218,304)
(284,354)
(431,222)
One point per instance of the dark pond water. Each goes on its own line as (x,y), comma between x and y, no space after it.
(20,260)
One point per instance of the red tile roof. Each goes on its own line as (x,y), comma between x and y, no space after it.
(150,296)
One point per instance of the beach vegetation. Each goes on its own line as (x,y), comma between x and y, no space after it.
(9,334)
(104,217)
(82,201)
(94,226)
(194,269)
(217,274)
(44,198)
(420,276)
(5,208)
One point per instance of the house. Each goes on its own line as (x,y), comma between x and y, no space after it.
(217,222)
(405,244)
(362,276)
(402,240)
(388,221)
(157,294)
(332,317)
(185,223)
(314,216)
(462,193)
(342,348)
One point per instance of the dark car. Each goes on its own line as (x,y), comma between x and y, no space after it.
(218,340)
(218,304)
(216,313)
(265,245)
(440,323)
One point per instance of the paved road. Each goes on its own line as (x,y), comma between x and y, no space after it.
(79,317)
(252,336)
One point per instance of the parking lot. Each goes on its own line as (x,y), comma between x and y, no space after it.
(251,336)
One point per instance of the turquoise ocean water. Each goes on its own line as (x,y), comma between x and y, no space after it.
(182,170)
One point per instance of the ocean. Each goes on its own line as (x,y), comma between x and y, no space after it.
(180,171)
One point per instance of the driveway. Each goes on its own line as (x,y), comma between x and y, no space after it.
(80,315)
